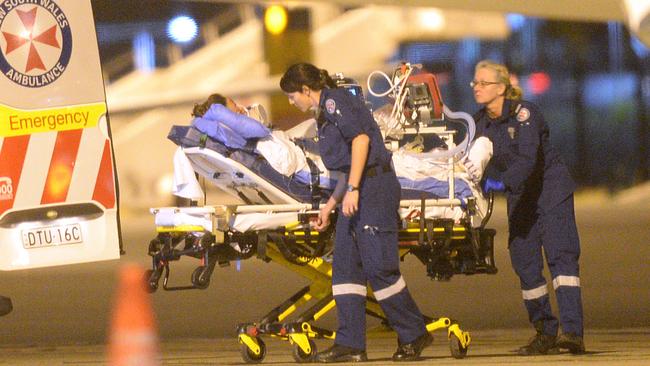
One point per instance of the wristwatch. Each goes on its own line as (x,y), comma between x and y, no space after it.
(351,188)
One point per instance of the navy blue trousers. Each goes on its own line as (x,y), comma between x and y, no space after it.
(555,233)
(366,251)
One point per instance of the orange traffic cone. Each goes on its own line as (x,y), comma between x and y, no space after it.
(133,338)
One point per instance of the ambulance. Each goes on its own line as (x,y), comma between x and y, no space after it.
(58,186)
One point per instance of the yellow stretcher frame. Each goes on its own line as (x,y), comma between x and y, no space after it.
(300,333)
(293,319)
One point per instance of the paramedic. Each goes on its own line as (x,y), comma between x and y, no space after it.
(541,216)
(366,230)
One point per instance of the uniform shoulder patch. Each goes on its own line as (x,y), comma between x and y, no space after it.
(523,115)
(330,106)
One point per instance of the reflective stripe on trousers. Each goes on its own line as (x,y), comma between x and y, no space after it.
(349,289)
(535,293)
(355,289)
(572,281)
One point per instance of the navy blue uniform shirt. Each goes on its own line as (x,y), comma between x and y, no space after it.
(341,118)
(532,171)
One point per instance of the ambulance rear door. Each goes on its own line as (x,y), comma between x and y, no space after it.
(58,186)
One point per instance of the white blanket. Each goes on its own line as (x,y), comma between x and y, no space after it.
(185,183)
(290,160)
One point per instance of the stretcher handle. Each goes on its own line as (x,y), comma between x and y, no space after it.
(303,207)
(431,202)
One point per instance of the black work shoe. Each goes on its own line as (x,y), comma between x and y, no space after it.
(411,351)
(572,342)
(5,305)
(340,353)
(540,344)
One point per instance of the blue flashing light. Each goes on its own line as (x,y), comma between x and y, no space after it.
(144,52)
(182,29)
(516,21)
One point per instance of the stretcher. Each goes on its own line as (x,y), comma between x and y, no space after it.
(274,225)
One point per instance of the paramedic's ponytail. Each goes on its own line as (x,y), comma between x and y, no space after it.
(306,74)
(326,80)
(514,92)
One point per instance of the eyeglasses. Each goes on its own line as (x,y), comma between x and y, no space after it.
(482,83)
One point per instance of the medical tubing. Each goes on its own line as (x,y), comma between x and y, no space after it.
(401,96)
(390,82)
(396,114)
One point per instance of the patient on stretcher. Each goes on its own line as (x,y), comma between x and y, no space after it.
(228,124)
(292,155)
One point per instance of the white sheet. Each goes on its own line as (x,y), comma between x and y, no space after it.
(283,155)
(289,160)
(413,168)
(185,183)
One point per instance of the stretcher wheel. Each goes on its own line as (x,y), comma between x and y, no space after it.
(456,348)
(248,356)
(201,277)
(151,278)
(302,357)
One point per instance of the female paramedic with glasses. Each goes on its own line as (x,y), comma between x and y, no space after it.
(539,193)
(366,245)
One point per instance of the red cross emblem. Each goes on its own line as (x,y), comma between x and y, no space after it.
(34,35)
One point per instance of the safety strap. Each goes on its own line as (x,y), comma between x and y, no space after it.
(262,241)
(307,145)
(315,184)
(242,196)
(264,197)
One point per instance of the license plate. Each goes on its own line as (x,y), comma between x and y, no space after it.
(51,236)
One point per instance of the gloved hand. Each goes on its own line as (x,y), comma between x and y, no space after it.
(473,171)
(493,185)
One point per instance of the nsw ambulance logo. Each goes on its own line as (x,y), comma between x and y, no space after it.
(35,41)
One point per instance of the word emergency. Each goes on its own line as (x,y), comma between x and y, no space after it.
(18,122)
(48,121)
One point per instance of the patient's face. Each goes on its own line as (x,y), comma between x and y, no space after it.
(230,104)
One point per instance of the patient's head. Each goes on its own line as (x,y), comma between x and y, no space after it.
(200,109)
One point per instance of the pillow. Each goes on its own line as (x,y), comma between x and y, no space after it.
(243,125)
(219,132)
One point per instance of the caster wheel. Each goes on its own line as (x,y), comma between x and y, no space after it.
(154,246)
(457,350)
(151,279)
(249,357)
(200,278)
(301,357)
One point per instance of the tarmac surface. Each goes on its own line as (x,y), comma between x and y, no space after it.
(488,347)
(61,314)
